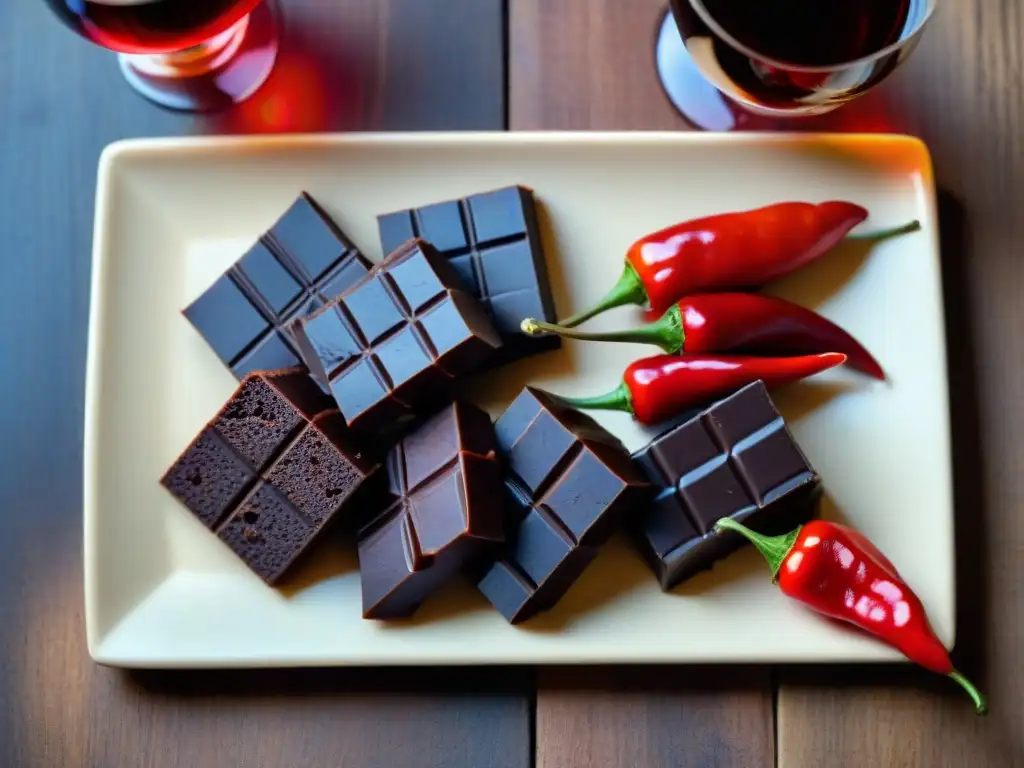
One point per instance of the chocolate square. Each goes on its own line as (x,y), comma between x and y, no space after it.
(445,512)
(568,482)
(492,240)
(390,347)
(247,315)
(735,459)
(271,470)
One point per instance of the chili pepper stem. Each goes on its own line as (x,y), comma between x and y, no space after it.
(884,234)
(665,332)
(618,399)
(980,705)
(774,548)
(628,290)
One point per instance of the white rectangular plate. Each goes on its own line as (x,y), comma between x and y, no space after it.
(172,214)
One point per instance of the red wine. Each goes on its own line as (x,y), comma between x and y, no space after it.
(778,39)
(150,26)
(812,33)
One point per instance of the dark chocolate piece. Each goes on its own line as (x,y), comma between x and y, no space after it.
(567,484)
(390,347)
(271,470)
(736,459)
(493,241)
(301,263)
(444,481)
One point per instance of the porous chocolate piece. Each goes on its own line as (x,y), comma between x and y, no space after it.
(271,470)
(445,511)
(247,315)
(493,241)
(390,347)
(567,483)
(736,459)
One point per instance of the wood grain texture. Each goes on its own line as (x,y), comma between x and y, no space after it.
(345,63)
(633,717)
(961,93)
(582,65)
(588,64)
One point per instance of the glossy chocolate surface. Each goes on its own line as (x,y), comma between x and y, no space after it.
(445,511)
(390,347)
(271,470)
(493,241)
(302,262)
(736,459)
(568,482)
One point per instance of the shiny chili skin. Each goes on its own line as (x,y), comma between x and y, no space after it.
(738,249)
(836,571)
(749,322)
(839,573)
(664,386)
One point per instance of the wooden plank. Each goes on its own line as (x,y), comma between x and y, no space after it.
(588,64)
(346,63)
(633,717)
(960,92)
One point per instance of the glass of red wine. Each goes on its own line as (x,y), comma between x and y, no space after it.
(193,55)
(721,59)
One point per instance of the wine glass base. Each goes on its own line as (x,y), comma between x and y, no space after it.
(699,102)
(211,80)
(703,105)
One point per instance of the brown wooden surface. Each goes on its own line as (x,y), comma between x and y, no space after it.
(654,717)
(375,63)
(588,64)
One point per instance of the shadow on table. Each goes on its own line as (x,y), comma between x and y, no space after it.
(310,682)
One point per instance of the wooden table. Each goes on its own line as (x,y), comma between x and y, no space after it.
(430,64)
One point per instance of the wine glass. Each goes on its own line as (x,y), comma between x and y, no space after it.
(192,55)
(718,59)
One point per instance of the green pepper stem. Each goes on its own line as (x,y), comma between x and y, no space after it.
(628,290)
(980,705)
(883,234)
(774,548)
(665,332)
(619,399)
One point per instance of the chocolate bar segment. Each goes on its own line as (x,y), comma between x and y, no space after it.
(445,511)
(567,483)
(493,241)
(390,346)
(302,262)
(271,470)
(736,459)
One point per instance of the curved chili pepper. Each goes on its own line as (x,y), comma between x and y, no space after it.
(728,251)
(734,322)
(657,388)
(838,572)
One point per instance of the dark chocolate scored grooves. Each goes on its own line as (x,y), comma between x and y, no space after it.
(492,239)
(271,470)
(390,347)
(302,262)
(568,483)
(445,511)
(735,459)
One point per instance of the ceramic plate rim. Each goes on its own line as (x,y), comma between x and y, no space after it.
(116,153)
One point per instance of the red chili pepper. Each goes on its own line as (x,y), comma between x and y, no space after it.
(836,571)
(730,251)
(734,322)
(657,388)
